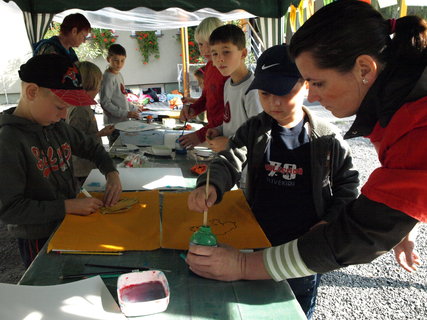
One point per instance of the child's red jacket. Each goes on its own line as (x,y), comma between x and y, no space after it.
(211,100)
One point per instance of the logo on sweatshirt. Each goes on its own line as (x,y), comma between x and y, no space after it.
(227,113)
(52,160)
(282,174)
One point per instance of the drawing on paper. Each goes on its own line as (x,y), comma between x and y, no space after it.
(219,228)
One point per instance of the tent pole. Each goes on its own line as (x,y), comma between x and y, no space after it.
(185,61)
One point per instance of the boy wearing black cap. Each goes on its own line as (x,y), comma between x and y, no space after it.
(38,188)
(300,171)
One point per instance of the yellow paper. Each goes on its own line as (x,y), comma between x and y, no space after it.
(135,229)
(232,221)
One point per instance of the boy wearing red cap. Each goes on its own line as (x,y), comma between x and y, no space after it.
(38,188)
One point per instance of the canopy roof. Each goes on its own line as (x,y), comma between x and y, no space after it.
(144,19)
(261,8)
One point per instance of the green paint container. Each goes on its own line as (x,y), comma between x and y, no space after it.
(204,237)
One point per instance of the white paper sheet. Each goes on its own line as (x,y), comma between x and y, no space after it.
(134,179)
(84,299)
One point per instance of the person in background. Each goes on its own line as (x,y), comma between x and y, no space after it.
(211,99)
(300,172)
(83,117)
(381,79)
(38,187)
(228,50)
(113,93)
(199,74)
(73,32)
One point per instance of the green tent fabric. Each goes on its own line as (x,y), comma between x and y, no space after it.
(261,8)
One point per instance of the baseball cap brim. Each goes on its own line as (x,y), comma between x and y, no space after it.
(74,97)
(273,83)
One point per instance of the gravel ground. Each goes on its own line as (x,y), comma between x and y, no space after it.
(379,290)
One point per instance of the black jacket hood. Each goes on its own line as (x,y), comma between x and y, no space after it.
(396,85)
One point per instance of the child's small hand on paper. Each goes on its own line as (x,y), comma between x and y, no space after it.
(82,206)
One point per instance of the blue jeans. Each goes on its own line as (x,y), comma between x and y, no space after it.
(305,290)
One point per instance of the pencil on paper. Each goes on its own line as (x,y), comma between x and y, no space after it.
(86,193)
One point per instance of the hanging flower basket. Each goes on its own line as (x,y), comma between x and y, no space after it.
(148,45)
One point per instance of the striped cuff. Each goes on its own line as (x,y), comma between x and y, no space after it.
(284,262)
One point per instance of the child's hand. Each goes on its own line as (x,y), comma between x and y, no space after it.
(106,131)
(83,206)
(186,114)
(189,140)
(113,189)
(197,199)
(212,133)
(218,144)
(133,114)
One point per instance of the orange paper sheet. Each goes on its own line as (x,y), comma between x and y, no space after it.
(136,229)
(232,221)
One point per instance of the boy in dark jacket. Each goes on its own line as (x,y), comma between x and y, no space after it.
(300,172)
(38,188)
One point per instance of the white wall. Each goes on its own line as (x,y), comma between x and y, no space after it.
(162,70)
(16,49)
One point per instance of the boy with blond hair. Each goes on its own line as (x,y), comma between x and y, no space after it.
(38,188)
(211,99)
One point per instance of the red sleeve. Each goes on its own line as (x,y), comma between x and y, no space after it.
(200,105)
(400,181)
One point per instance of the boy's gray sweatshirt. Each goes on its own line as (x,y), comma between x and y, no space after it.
(37,175)
(113,98)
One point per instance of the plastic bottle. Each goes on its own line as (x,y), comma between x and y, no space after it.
(179,149)
(204,237)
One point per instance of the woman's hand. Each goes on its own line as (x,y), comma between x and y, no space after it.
(82,206)
(221,263)
(113,189)
(406,255)
(197,199)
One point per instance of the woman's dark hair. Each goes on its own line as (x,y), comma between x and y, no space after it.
(341,31)
(75,20)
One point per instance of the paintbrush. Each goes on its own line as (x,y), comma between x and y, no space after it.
(205,212)
(183,128)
